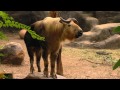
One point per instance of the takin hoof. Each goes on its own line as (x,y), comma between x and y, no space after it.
(60,73)
(46,74)
(54,76)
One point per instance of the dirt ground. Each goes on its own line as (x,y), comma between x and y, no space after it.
(77,63)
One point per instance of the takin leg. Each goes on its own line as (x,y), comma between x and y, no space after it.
(59,63)
(38,57)
(53,58)
(45,58)
(31,55)
(29,42)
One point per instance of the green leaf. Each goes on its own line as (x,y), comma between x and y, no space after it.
(116,29)
(1,24)
(116,65)
(9,22)
(11,25)
(11,18)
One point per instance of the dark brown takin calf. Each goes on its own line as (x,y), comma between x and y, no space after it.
(55,30)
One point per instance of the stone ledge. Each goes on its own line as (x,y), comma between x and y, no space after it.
(39,75)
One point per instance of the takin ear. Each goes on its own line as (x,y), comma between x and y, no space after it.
(75,21)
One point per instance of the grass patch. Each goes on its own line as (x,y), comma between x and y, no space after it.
(91,55)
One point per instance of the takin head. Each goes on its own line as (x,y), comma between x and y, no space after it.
(71,29)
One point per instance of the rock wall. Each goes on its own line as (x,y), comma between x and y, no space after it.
(100,36)
(28,17)
(106,16)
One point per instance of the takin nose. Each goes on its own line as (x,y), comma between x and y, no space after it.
(79,33)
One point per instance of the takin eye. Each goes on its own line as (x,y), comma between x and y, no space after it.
(69,25)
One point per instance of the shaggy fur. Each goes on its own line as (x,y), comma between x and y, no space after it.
(55,31)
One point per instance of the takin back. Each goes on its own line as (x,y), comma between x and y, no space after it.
(55,30)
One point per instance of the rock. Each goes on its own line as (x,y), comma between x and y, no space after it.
(85,21)
(28,17)
(103,53)
(100,36)
(22,33)
(90,23)
(40,75)
(99,32)
(105,16)
(13,54)
(111,42)
(103,31)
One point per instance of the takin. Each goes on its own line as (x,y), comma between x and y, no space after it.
(55,30)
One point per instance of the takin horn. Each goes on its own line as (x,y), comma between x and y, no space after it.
(63,20)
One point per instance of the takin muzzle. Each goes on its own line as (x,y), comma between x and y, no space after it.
(79,33)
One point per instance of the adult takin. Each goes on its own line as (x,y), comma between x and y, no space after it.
(55,30)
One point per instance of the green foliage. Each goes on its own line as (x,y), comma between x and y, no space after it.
(5,16)
(5,76)
(116,30)
(2,76)
(9,22)
(117,64)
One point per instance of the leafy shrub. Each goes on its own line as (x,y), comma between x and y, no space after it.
(8,21)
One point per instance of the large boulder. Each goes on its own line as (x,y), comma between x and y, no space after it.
(90,22)
(13,54)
